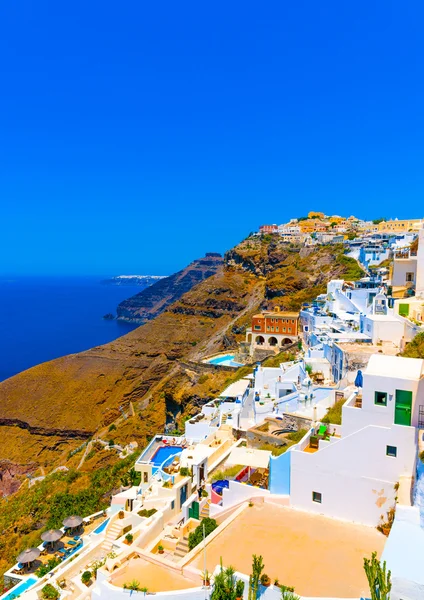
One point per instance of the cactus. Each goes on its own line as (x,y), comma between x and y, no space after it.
(379,579)
(254,578)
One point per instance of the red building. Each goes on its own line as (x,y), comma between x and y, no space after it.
(268,229)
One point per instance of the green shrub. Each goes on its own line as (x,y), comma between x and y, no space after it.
(185,472)
(227,473)
(86,577)
(203,378)
(196,536)
(296,436)
(50,592)
(129,538)
(147,512)
(334,413)
(48,566)
(112,427)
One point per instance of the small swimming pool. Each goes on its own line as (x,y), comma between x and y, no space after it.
(20,588)
(163,453)
(101,527)
(226,360)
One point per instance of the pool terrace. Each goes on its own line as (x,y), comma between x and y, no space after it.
(160,441)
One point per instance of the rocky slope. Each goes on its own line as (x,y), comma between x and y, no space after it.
(149,303)
(128,389)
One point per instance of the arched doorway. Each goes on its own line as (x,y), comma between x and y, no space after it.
(260,341)
(272,341)
(249,338)
(286,342)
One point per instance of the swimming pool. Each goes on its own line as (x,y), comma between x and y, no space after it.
(163,453)
(20,588)
(227,360)
(101,527)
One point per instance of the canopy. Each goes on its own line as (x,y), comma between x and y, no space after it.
(249,457)
(52,535)
(72,522)
(29,555)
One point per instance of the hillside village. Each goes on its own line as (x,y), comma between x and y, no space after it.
(309,459)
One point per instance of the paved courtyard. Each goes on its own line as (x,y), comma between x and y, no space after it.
(316,555)
(154,577)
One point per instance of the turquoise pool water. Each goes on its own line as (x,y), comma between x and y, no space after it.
(101,527)
(20,588)
(227,360)
(163,453)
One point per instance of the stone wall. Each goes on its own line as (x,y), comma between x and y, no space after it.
(256,437)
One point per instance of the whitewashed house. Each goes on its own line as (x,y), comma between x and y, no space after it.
(353,474)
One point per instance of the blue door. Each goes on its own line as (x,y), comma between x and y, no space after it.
(183,495)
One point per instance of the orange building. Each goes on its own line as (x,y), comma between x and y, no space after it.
(273,329)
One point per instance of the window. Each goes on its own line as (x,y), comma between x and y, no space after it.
(380,398)
(277,329)
(284,329)
(317,497)
(145,477)
(391,451)
(258,327)
(173,505)
(409,277)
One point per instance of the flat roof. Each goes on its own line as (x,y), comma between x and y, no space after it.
(395,366)
(235,389)
(387,348)
(271,313)
(249,457)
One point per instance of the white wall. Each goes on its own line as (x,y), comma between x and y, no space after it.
(384,415)
(353,474)
(385,330)
(400,268)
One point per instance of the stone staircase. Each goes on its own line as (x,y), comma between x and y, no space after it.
(204,513)
(181,549)
(111,535)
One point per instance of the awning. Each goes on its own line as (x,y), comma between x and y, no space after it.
(235,389)
(249,457)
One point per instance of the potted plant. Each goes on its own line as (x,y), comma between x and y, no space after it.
(129,538)
(86,577)
(121,514)
(239,589)
(265,580)
(161,549)
(276,583)
(206,578)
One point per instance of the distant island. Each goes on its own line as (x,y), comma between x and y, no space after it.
(142,280)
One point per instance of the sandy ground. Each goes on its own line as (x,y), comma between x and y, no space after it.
(154,577)
(316,555)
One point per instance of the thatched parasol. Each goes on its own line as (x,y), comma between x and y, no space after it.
(52,535)
(28,555)
(72,522)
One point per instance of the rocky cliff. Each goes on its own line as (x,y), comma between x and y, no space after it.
(128,389)
(152,301)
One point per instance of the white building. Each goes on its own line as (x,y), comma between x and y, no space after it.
(353,475)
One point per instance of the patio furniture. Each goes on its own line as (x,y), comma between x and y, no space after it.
(72,522)
(322,430)
(72,543)
(313,442)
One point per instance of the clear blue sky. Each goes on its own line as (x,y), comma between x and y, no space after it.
(135,136)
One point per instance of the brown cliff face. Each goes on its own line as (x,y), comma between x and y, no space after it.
(152,301)
(134,385)
(55,406)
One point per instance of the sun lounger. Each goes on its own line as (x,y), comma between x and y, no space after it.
(77,538)
(72,543)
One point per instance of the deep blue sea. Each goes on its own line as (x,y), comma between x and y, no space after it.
(42,318)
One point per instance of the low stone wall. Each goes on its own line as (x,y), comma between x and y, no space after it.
(256,437)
